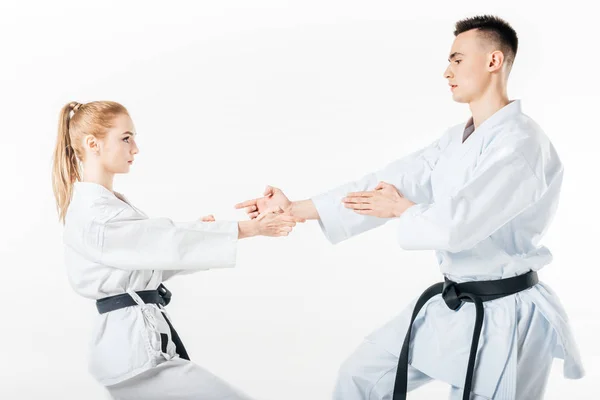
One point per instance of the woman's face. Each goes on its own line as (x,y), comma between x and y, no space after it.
(116,151)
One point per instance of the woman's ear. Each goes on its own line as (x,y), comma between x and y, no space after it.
(92,144)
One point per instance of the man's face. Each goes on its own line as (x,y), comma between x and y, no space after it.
(468,69)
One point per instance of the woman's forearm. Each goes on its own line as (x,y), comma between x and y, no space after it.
(247,229)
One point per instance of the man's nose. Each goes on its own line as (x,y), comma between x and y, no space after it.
(448,72)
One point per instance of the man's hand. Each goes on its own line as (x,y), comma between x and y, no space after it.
(208,218)
(385,201)
(273,198)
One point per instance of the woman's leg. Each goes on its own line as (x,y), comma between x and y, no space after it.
(176,379)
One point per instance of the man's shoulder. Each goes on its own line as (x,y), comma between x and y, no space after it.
(524,136)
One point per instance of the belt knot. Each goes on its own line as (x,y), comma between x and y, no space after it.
(450,295)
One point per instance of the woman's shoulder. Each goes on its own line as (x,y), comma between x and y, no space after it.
(94,208)
(84,220)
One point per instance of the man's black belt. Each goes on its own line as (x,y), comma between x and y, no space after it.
(455,295)
(161,296)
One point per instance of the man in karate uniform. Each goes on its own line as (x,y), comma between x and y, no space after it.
(481,196)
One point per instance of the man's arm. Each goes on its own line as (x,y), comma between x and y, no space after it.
(502,186)
(304,209)
(410,174)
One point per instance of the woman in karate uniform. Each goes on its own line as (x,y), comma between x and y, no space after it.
(117,255)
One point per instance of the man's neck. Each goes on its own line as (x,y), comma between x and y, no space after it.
(486,106)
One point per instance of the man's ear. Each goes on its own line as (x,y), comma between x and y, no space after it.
(496,60)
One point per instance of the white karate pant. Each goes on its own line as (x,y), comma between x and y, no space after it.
(176,379)
(370,372)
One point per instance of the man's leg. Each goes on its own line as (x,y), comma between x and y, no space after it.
(535,352)
(529,364)
(369,374)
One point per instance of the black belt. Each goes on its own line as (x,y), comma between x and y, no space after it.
(161,296)
(455,294)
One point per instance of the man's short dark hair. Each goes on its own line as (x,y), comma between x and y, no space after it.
(494,29)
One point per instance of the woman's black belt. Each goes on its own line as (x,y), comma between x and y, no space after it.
(161,296)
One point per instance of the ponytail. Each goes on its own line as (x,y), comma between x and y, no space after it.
(65,167)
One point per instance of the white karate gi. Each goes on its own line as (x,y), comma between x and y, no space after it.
(483,206)
(111,248)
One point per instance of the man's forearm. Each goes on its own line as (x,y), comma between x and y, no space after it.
(304,209)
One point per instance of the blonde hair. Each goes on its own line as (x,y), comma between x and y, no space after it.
(93,118)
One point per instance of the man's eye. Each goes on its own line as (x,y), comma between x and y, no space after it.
(126,140)
(457,61)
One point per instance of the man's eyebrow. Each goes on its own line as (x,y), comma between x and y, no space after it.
(456,53)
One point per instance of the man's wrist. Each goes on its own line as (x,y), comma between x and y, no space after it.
(303,209)
(290,208)
(397,210)
(401,207)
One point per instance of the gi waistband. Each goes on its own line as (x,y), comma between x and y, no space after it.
(161,296)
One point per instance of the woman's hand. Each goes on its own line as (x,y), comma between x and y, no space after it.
(208,218)
(274,222)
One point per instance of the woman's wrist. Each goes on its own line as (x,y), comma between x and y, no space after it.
(247,229)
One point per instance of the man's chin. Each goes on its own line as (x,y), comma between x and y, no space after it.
(459,99)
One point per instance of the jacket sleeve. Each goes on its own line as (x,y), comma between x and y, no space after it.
(502,186)
(410,175)
(129,242)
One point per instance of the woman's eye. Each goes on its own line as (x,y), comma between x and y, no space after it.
(458,61)
(126,140)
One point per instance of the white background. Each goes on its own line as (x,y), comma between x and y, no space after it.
(228,97)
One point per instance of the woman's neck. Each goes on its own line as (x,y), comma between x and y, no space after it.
(98,175)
